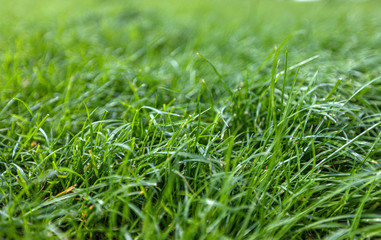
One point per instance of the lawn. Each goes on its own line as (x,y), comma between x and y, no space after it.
(190,119)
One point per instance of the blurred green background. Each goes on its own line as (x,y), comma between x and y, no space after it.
(47,46)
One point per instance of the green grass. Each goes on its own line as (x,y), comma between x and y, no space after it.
(190,120)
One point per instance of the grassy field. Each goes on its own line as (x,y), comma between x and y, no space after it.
(190,119)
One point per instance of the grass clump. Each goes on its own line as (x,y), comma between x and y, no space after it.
(190,121)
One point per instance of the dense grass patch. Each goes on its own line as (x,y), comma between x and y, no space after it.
(190,120)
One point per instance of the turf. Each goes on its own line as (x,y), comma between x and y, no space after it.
(190,120)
